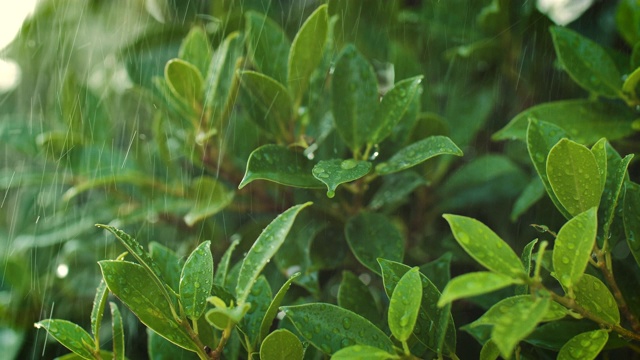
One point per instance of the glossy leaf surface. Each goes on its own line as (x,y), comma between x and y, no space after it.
(417,153)
(196,281)
(585,346)
(369,235)
(259,298)
(631,216)
(273,100)
(97,312)
(281,165)
(393,107)
(72,336)
(404,305)
(573,247)
(517,322)
(355,296)
(281,344)
(335,172)
(593,295)
(273,309)
(362,352)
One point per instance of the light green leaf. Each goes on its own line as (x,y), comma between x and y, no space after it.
(259,298)
(497,311)
(196,50)
(335,172)
(184,80)
(281,344)
(475,283)
(574,176)
(263,250)
(573,247)
(97,311)
(306,52)
(354,98)
(315,320)
(134,286)
(489,351)
(210,197)
(117,331)
(517,322)
(223,317)
(585,346)
(355,296)
(587,63)
(280,165)
(417,153)
(631,218)
(404,305)
(267,45)
(482,244)
(599,151)
(272,311)
(593,295)
(72,336)
(220,276)
(586,121)
(196,281)
(222,84)
(363,352)
(369,235)
(161,349)
(272,99)
(393,107)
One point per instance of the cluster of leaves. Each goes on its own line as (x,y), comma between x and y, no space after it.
(215,104)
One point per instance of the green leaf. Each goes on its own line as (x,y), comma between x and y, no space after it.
(221,83)
(484,246)
(417,153)
(497,311)
(196,50)
(489,351)
(184,80)
(272,99)
(599,150)
(369,235)
(541,137)
(161,349)
(574,176)
(335,172)
(587,63)
(220,276)
(72,336)
(272,311)
(306,52)
(263,250)
(586,121)
(117,331)
(210,197)
(396,188)
(529,196)
(280,165)
(525,258)
(281,344)
(438,271)
(134,286)
(630,86)
(97,311)
(224,317)
(585,346)
(196,281)
(628,21)
(404,305)
(434,324)
(355,296)
(593,295)
(259,298)
(393,106)
(363,352)
(168,262)
(573,247)
(354,98)
(518,321)
(267,45)
(613,192)
(314,321)
(475,283)
(631,218)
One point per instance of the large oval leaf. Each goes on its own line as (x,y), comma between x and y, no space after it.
(573,247)
(417,153)
(355,296)
(209,196)
(593,295)
(267,45)
(335,172)
(196,281)
(184,80)
(585,346)
(404,305)
(370,235)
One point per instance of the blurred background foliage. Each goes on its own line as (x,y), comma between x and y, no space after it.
(85,139)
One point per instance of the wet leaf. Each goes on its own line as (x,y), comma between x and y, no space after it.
(404,305)
(484,246)
(220,276)
(434,328)
(355,296)
(613,193)
(263,250)
(585,121)
(210,197)
(573,247)
(72,336)
(417,153)
(161,349)
(221,83)
(369,235)
(272,98)
(525,258)
(354,98)
(574,176)
(585,346)
(306,52)
(497,311)
(518,321)
(335,172)
(259,298)
(184,80)
(281,344)
(363,352)
(438,271)
(396,188)
(273,309)
(134,286)
(315,320)
(117,332)
(593,295)
(599,151)
(267,45)
(196,50)
(168,262)
(281,165)
(631,216)
(393,107)
(587,63)
(529,196)
(196,281)
(97,312)
(475,283)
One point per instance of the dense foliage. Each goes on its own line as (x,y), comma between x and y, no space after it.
(299,180)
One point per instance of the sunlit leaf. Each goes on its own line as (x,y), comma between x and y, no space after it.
(475,283)
(355,296)
(362,352)
(417,153)
(117,331)
(210,197)
(593,295)
(281,165)
(335,172)
(315,320)
(273,309)
(489,351)
(404,305)
(267,45)
(370,235)
(196,281)
(393,106)
(585,346)
(573,247)
(72,336)
(196,50)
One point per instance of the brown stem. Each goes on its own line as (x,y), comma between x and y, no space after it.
(610,279)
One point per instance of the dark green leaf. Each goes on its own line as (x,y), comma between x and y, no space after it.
(493,315)
(267,45)
(220,276)
(281,165)
(573,247)
(97,311)
(117,332)
(628,21)
(475,283)
(417,153)
(168,262)
(314,321)
(587,63)
(335,172)
(355,296)
(362,352)
(593,295)
(281,344)
(72,336)
(196,281)
(438,271)
(396,188)
(393,106)
(404,305)
(196,50)
(631,216)
(585,346)
(370,235)
(272,311)
(613,193)
(525,257)
(210,197)
(529,196)
(184,81)
(259,298)
(489,351)
(161,349)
